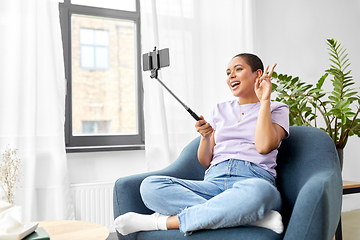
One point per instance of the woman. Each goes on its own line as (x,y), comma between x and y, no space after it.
(239,147)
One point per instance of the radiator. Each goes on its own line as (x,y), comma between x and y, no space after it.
(93,202)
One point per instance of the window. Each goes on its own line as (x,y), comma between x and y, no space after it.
(93,127)
(94,49)
(102,66)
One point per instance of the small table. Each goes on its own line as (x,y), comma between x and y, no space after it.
(349,187)
(74,230)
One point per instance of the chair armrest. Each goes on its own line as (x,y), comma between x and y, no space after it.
(317,210)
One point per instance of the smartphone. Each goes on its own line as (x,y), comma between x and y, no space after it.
(156,59)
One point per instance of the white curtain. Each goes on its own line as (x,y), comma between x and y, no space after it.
(202,36)
(32,106)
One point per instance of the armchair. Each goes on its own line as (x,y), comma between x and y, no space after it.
(309,180)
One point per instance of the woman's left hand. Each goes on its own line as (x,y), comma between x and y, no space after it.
(263,84)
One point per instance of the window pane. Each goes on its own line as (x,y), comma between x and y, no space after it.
(126,5)
(101,38)
(87,57)
(87,36)
(91,127)
(101,60)
(88,127)
(104,96)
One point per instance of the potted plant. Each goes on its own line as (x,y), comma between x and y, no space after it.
(335,112)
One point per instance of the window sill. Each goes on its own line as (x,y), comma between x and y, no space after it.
(105,148)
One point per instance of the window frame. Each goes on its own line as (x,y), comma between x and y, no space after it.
(93,143)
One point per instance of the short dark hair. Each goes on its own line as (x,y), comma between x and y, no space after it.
(254,61)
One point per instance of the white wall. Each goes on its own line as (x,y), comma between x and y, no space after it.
(104,166)
(293,34)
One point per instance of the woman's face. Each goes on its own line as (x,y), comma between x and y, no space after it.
(240,78)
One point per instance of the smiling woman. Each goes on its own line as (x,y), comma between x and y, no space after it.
(241,161)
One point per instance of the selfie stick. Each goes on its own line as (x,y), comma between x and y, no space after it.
(194,115)
(154,74)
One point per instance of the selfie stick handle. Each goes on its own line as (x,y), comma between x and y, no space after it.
(194,115)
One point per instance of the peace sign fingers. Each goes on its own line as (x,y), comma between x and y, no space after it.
(263,84)
(267,76)
(271,71)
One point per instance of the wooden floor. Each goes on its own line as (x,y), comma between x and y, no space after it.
(351,225)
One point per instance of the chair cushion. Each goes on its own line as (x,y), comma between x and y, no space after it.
(243,233)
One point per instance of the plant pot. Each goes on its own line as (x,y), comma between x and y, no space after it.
(340,152)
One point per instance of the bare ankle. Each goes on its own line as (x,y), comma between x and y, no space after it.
(172,222)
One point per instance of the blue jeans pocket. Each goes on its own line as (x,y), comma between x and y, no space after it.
(216,170)
(261,173)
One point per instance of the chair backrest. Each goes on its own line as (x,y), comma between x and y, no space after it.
(306,153)
(187,165)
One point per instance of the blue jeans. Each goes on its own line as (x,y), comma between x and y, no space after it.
(233,193)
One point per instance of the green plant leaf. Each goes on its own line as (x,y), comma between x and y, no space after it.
(356,130)
(350,94)
(331,41)
(321,81)
(334,97)
(349,84)
(336,63)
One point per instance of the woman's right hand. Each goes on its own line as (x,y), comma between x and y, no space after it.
(207,143)
(204,128)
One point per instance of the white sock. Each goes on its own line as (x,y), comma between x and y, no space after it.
(272,221)
(134,222)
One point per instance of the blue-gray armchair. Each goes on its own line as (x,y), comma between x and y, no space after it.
(309,180)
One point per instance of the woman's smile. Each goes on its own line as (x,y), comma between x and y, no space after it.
(235,84)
